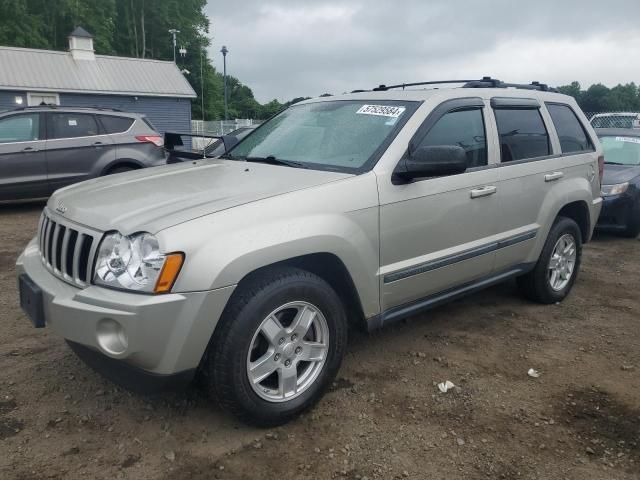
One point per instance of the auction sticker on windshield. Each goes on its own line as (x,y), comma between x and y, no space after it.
(628,139)
(381,110)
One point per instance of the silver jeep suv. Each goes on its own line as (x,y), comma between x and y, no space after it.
(364,208)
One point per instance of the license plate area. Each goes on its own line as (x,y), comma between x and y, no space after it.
(31,300)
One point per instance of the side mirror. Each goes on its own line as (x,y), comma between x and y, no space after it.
(229,142)
(433,161)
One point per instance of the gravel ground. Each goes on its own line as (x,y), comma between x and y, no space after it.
(384,417)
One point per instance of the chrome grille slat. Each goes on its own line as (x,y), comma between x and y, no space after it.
(54,248)
(61,255)
(90,260)
(47,238)
(76,258)
(43,233)
(63,252)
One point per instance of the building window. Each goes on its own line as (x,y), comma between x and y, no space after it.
(35,99)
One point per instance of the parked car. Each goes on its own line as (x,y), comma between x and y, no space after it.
(616,120)
(177,143)
(46,148)
(621,181)
(364,208)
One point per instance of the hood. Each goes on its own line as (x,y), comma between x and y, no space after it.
(614,174)
(152,199)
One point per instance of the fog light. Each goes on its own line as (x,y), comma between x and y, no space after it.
(111,336)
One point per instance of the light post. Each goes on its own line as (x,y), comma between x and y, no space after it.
(173,32)
(224,52)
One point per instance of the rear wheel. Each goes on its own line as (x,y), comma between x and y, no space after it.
(278,346)
(555,272)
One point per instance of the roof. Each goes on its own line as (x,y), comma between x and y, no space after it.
(80,32)
(53,71)
(618,132)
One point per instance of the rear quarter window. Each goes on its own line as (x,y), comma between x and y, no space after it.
(112,124)
(572,135)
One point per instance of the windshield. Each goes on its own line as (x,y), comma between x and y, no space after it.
(615,121)
(333,135)
(621,150)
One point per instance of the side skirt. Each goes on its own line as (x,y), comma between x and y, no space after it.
(417,306)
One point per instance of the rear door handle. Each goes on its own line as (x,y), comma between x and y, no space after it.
(29,149)
(483,191)
(550,177)
(98,144)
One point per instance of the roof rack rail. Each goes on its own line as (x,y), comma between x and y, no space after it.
(65,107)
(384,88)
(484,82)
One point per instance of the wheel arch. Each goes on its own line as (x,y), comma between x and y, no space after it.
(578,211)
(121,162)
(332,270)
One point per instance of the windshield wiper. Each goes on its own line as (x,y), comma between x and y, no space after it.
(271,160)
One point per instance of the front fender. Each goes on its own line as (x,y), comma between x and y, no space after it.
(222,248)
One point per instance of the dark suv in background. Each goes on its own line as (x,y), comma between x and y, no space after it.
(46,148)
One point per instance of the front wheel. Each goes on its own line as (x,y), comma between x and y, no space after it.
(557,268)
(277,348)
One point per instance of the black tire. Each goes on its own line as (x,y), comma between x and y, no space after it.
(224,367)
(535,285)
(121,169)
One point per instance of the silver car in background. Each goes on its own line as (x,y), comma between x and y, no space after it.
(46,148)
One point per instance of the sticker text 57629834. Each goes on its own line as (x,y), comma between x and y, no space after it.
(381,110)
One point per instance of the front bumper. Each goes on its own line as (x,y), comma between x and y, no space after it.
(616,212)
(158,335)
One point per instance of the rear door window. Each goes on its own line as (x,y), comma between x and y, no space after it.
(20,128)
(112,124)
(522,134)
(71,125)
(571,133)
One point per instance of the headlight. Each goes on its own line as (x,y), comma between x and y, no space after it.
(609,190)
(135,263)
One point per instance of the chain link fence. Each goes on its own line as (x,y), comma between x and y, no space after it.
(221,127)
(217,128)
(614,119)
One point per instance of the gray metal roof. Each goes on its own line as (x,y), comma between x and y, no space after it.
(52,71)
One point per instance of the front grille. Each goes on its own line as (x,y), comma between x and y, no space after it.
(67,250)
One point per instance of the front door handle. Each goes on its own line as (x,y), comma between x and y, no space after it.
(550,177)
(29,149)
(483,191)
(98,144)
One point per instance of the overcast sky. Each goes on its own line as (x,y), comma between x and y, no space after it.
(289,48)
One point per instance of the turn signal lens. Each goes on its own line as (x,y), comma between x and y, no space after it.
(169,273)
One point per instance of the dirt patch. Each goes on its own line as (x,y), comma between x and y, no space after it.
(383,418)
(608,428)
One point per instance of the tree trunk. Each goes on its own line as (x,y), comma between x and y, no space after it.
(144,37)
(135,27)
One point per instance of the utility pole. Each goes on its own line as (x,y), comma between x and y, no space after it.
(173,32)
(202,55)
(224,52)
